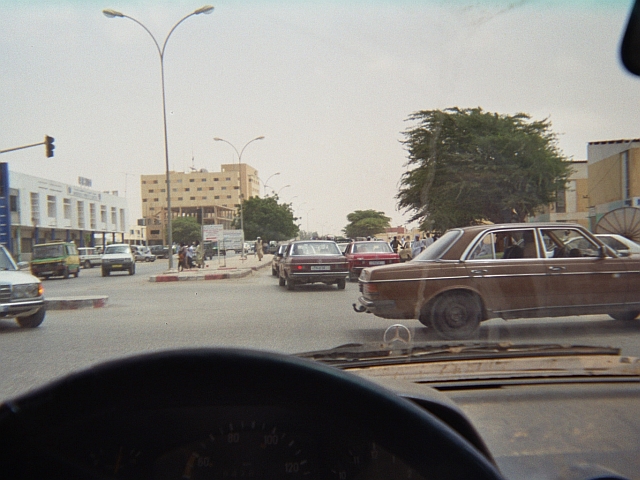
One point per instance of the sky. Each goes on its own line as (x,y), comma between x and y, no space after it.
(330,85)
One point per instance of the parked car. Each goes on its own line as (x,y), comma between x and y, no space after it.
(343,246)
(277,260)
(310,261)
(160,251)
(21,294)
(118,258)
(368,254)
(620,244)
(211,250)
(89,257)
(143,254)
(55,259)
(509,271)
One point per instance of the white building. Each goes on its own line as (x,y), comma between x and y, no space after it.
(44,210)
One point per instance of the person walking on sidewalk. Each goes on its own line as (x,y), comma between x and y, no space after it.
(199,255)
(182,257)
(259,249)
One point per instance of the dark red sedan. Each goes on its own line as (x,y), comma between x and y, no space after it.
(368,254)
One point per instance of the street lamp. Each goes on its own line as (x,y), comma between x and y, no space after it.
(265,183)
(239,153)
(278,193)
(113,14)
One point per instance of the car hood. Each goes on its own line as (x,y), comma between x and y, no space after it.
(17,277)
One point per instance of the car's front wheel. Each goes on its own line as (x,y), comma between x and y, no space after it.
(105,272)
(455,315)
(87,264)
(32,321)
(132,269)
(65,274)
(342,283)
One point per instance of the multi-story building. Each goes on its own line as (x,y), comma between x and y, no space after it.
(614,177)
(572,203)
(45,210)
(211,197)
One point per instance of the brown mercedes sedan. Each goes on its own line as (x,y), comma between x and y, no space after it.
(311,261)
(508,271)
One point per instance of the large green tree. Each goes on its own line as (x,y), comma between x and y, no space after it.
(268,219)
(468,165)
(185,230)
(363,223)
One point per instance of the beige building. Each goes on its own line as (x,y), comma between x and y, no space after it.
(572,203)
(212,197)
(614,177)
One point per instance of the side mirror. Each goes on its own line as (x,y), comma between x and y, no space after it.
(23,266)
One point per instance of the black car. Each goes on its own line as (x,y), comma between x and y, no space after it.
(160,251)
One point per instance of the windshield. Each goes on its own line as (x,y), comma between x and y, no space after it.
(48,251)
(415,128)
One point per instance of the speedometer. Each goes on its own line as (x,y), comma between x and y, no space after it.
(244,449)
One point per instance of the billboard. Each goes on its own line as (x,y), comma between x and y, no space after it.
(211,233)
(233,240)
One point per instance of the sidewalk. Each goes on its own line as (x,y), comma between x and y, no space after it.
(229,267)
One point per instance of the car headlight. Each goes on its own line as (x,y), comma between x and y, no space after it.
(29,290)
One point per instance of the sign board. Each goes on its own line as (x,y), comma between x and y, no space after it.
(211,233)
(233,240)
(84,182)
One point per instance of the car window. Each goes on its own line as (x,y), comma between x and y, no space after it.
(116,249)
(440,246)
(568,243)
(48,251)
(506,245)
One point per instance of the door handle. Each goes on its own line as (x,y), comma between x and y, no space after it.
(479,272)
(557,269)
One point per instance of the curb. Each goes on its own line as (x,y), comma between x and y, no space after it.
(228,273)
(74,303)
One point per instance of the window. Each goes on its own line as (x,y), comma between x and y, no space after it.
(215,179)
(506,245)
(92,216)
(122,219)
(155,199)
(203,179)
(51,206)
(144,200)
(151,190)
(192,180)
(561,201)
(66,206)
(217,197)
(103,213)
(155,232)
(228,196)
(80,209)
(155,181)
(163,190)
(199,189)
(13,203)
(179,198)
(228,179)
(224,188)
(35,208)
(114,216)
(192,198)
(567,243)
(210,188)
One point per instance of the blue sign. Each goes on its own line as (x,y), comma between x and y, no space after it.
(5,212)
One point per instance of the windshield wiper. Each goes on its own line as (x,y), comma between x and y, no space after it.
(361,355)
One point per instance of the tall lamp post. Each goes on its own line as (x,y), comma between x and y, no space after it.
(240,195)
(265,183)
(113,14)
(278,193)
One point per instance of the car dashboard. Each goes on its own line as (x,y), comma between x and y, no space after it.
(219,413)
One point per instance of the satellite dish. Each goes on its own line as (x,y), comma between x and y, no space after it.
(623,221)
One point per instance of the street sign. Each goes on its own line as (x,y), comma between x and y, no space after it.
(211,233)
(233,240)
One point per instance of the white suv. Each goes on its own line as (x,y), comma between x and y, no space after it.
(118,258)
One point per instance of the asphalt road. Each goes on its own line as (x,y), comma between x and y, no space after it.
(252,312)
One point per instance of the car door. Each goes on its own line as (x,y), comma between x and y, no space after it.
(580,280)
(506,268)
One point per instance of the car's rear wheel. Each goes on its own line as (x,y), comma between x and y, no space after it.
(353,276)
(87,264)
(625,316)
(456,315)
(342,283)
(291,284)
(281,281)
(65,274)
(32,321)
(77,272)
(105,272)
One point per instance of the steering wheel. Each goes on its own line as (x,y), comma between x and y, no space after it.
(210,377)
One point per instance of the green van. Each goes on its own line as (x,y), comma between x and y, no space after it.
(56,259)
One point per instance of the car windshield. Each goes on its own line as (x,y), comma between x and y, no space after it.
(116,249)
(48,251)
(480,145)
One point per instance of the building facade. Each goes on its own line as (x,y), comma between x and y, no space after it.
(211,197)
(45,210)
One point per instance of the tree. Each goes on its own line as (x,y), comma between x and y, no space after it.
(267,219)
(185,230)
(470,165)
(363,223)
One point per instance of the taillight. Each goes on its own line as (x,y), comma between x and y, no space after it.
(370,289)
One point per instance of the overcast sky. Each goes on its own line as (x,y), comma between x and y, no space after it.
(329,84)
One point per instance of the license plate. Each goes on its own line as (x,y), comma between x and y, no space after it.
(376,262)
(116,266)
(46,273)
(320,267)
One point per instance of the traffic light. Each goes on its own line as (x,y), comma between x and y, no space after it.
(48,143)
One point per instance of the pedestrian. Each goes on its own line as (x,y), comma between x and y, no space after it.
(191,253)
(259,249)
(395,244)
(427,240)
(199,255)
(182,257)
(416,247)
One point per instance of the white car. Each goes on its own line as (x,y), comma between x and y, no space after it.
(89,257)
(118,258)
(21,294)
(620,244)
